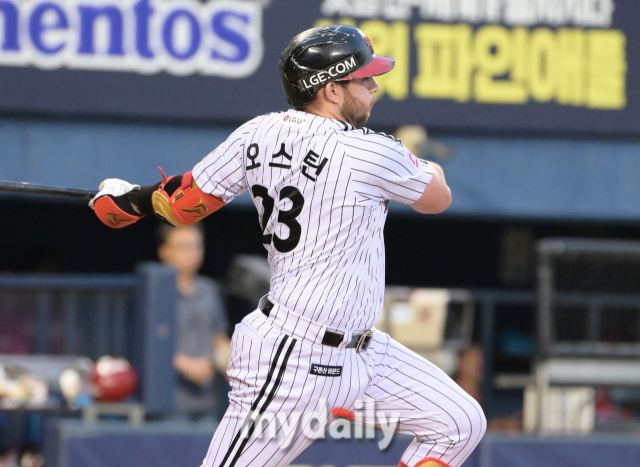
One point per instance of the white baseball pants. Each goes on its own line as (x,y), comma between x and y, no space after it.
(280,372)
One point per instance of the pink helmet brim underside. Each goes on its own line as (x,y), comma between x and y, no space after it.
(378,65)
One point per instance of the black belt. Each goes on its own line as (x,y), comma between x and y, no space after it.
(332,339)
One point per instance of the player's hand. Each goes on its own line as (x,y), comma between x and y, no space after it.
(112,187)
(114,204)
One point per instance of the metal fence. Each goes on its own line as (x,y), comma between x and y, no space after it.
(94,315)
(588,298)
(87,314)
(129,315)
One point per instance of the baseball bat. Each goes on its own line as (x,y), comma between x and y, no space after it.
(30,188)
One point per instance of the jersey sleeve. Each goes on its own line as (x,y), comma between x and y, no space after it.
(222,173)
(383,169)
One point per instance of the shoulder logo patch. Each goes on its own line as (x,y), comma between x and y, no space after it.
(295,119)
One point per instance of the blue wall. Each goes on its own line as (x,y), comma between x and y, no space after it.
(82,154)
(74,444)
(544,178)
(489,176)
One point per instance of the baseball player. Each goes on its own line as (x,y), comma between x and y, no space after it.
(321,183)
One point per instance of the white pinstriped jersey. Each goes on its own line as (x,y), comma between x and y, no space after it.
(321,188)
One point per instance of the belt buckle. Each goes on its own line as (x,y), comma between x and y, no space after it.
(364,340)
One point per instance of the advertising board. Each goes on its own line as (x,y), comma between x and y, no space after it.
(561,66)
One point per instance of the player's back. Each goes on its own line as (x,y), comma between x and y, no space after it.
(321,188)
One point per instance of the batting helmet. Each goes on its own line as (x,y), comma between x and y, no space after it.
(321,55)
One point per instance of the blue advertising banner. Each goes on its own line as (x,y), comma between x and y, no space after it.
(561,66)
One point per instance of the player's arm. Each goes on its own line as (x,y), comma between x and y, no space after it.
(182,199)
(436,197)
(176,200)
(383,169)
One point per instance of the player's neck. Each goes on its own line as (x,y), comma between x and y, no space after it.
(332,112)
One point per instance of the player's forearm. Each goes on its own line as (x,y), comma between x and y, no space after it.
(176,200)
(142,199)
(436,197)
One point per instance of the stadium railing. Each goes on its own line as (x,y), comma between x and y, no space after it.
(128,315)
(588,302)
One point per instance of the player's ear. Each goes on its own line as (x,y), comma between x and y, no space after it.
(332,92)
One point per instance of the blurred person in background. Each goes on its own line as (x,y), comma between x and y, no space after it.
(469,372)
(202,344)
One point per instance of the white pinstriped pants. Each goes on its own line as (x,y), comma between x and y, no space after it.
(270,374)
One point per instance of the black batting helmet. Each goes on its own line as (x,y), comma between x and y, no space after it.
(330,53)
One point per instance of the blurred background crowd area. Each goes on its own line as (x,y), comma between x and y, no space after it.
(526,291)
